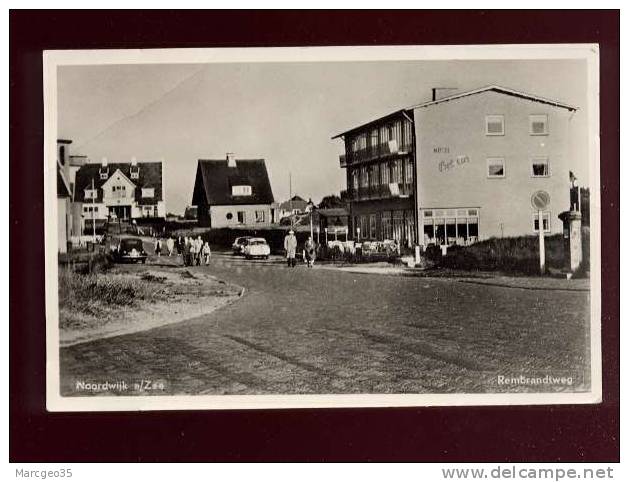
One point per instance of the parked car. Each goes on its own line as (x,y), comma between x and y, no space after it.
(257,248)
(239,244)
(129,250)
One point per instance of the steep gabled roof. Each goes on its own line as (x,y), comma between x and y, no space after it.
(214,181)
(501,90)
(150,176)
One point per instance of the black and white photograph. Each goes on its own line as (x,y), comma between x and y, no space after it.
(322,227)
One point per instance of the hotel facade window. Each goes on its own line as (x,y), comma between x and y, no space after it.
(545,221)
(540,167)
(538,125)
(241,217)
(495,125)
(495,167)
(450,226)
(259,216)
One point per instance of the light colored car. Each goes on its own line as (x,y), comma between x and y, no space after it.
(239,244)
(257,248)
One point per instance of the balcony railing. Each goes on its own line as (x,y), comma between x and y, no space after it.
(375,152)
(387,191)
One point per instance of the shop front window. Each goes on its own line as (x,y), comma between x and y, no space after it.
(450,226)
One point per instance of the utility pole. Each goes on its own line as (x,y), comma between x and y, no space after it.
(290,197)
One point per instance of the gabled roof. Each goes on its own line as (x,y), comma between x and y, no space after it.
(501,90)
(296,202)
(214,181)
(494,88)
(150,176)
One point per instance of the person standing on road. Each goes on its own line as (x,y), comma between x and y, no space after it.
(193,251)
(290,246)
(310,252)
(158,247)
(170,244)
(186,252)
(207,253)
(198,250)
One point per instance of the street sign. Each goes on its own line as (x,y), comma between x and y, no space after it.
(540,200)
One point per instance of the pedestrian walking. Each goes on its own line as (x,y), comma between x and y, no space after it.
(179,245)
(290,246)
(170,244)
(158,247)
(207,253)
(310,252)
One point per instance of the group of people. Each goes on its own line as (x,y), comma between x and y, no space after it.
(290,247)
(195,251)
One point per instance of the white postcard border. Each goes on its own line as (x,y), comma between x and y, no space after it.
(52,59)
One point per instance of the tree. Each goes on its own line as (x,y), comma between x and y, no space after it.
(331,201)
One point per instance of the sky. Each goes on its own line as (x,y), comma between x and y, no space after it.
(286,113)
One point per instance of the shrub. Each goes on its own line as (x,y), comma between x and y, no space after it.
(514,255)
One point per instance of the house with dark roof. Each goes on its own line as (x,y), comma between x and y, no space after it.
(459,168)
(233,192)
(119,190)
(295,205)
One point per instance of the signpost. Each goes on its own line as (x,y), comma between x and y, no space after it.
(540,200)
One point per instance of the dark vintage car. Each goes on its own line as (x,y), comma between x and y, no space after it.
(129,250)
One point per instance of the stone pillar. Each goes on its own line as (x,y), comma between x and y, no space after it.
(572,239)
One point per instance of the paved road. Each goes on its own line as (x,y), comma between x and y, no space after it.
(324,331)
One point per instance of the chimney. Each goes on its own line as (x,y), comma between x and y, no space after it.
(231,159)
(441,92)
(104,161)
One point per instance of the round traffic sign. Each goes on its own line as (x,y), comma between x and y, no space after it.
(540,199)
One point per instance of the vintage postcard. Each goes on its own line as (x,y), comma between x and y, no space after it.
(322,227)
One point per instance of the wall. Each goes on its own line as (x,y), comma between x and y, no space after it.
(219,219)
(457,128)
(64,222)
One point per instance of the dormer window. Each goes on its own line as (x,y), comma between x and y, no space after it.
(90,194)
(104,173)
(148,192)
(135,172)
(241,190)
